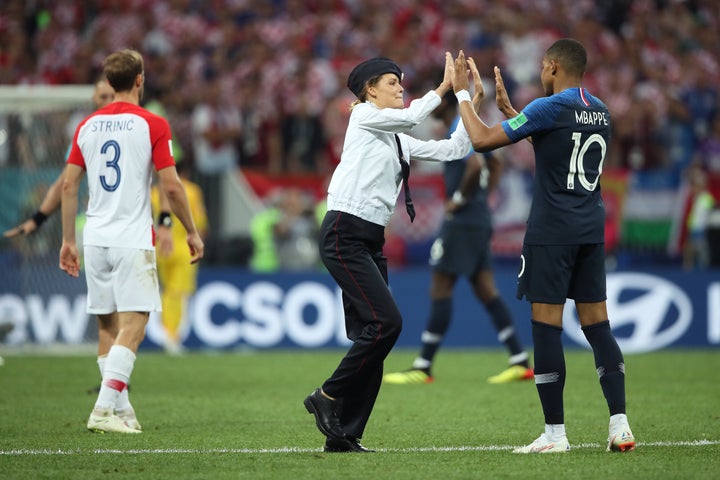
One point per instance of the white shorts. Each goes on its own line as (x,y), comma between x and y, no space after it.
(121,280)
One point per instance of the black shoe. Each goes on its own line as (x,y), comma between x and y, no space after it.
(325,416)
(347,445)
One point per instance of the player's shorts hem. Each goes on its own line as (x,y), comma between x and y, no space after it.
(584,300)
(142,308)
(99,311)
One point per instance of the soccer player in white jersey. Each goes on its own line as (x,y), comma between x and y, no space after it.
(118,146)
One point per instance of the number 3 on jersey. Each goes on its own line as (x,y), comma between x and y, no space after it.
(113,164)
(577,161)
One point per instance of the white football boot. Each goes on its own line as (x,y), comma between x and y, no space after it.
(544,444)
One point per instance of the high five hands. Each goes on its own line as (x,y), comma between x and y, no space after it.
(460,78)
(501,96)
(460,81)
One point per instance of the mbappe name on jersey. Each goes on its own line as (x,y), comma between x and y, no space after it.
(591,118)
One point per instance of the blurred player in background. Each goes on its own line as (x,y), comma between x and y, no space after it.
(563,250)
(285,234)
(696,251)
(118,146)
(178,276)
(463,249)
(102,95)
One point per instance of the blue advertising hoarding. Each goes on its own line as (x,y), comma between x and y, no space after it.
(233,308)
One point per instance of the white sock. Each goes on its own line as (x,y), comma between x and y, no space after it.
(618,419)
(101,364)
(421,363)
(123,402)
(116,375)
(555,431)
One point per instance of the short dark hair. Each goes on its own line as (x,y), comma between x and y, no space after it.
(570,53)
(122,68)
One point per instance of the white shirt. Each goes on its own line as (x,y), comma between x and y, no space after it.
(368,179)
(118,146)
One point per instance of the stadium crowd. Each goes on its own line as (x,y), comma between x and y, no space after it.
(259,86)
(282,64)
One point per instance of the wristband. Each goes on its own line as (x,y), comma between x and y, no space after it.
(39,218)
(458,198)
(463,95)
(164,219)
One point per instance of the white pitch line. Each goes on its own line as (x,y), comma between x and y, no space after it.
(254,451)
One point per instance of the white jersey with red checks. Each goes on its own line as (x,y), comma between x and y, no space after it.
(118,146)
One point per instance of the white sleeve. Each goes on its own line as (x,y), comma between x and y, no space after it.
(456,147)
(396,120)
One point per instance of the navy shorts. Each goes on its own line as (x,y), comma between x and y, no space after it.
(554,273)
(461,250)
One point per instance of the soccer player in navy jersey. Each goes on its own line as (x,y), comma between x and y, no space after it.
(462,249)
(563,252)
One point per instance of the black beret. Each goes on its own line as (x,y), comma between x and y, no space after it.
(369,69)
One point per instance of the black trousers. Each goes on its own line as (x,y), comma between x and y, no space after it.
(351,249)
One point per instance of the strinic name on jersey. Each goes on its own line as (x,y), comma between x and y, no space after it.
(590,118)
(120,125)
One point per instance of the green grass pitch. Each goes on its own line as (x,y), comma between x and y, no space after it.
(239,415)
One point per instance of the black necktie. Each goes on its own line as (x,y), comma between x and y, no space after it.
(405,166)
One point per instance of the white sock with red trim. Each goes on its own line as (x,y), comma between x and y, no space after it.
(116,375)
(123,402)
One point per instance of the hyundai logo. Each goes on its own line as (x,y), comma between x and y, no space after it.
(646,312)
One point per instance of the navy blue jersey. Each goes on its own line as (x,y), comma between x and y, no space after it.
(475,211)
(570,132)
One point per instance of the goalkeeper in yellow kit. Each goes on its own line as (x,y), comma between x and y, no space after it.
(178,277)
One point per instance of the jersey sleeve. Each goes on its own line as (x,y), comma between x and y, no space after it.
(396,120)
(75,155)
(161,140)
(457,147)
(537,116)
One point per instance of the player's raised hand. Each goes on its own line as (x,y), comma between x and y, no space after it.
(460,76)
(446,84)
(502,100)
(477,83)
(449,69)
(70,259)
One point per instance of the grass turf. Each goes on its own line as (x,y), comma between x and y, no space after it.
(240,415)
